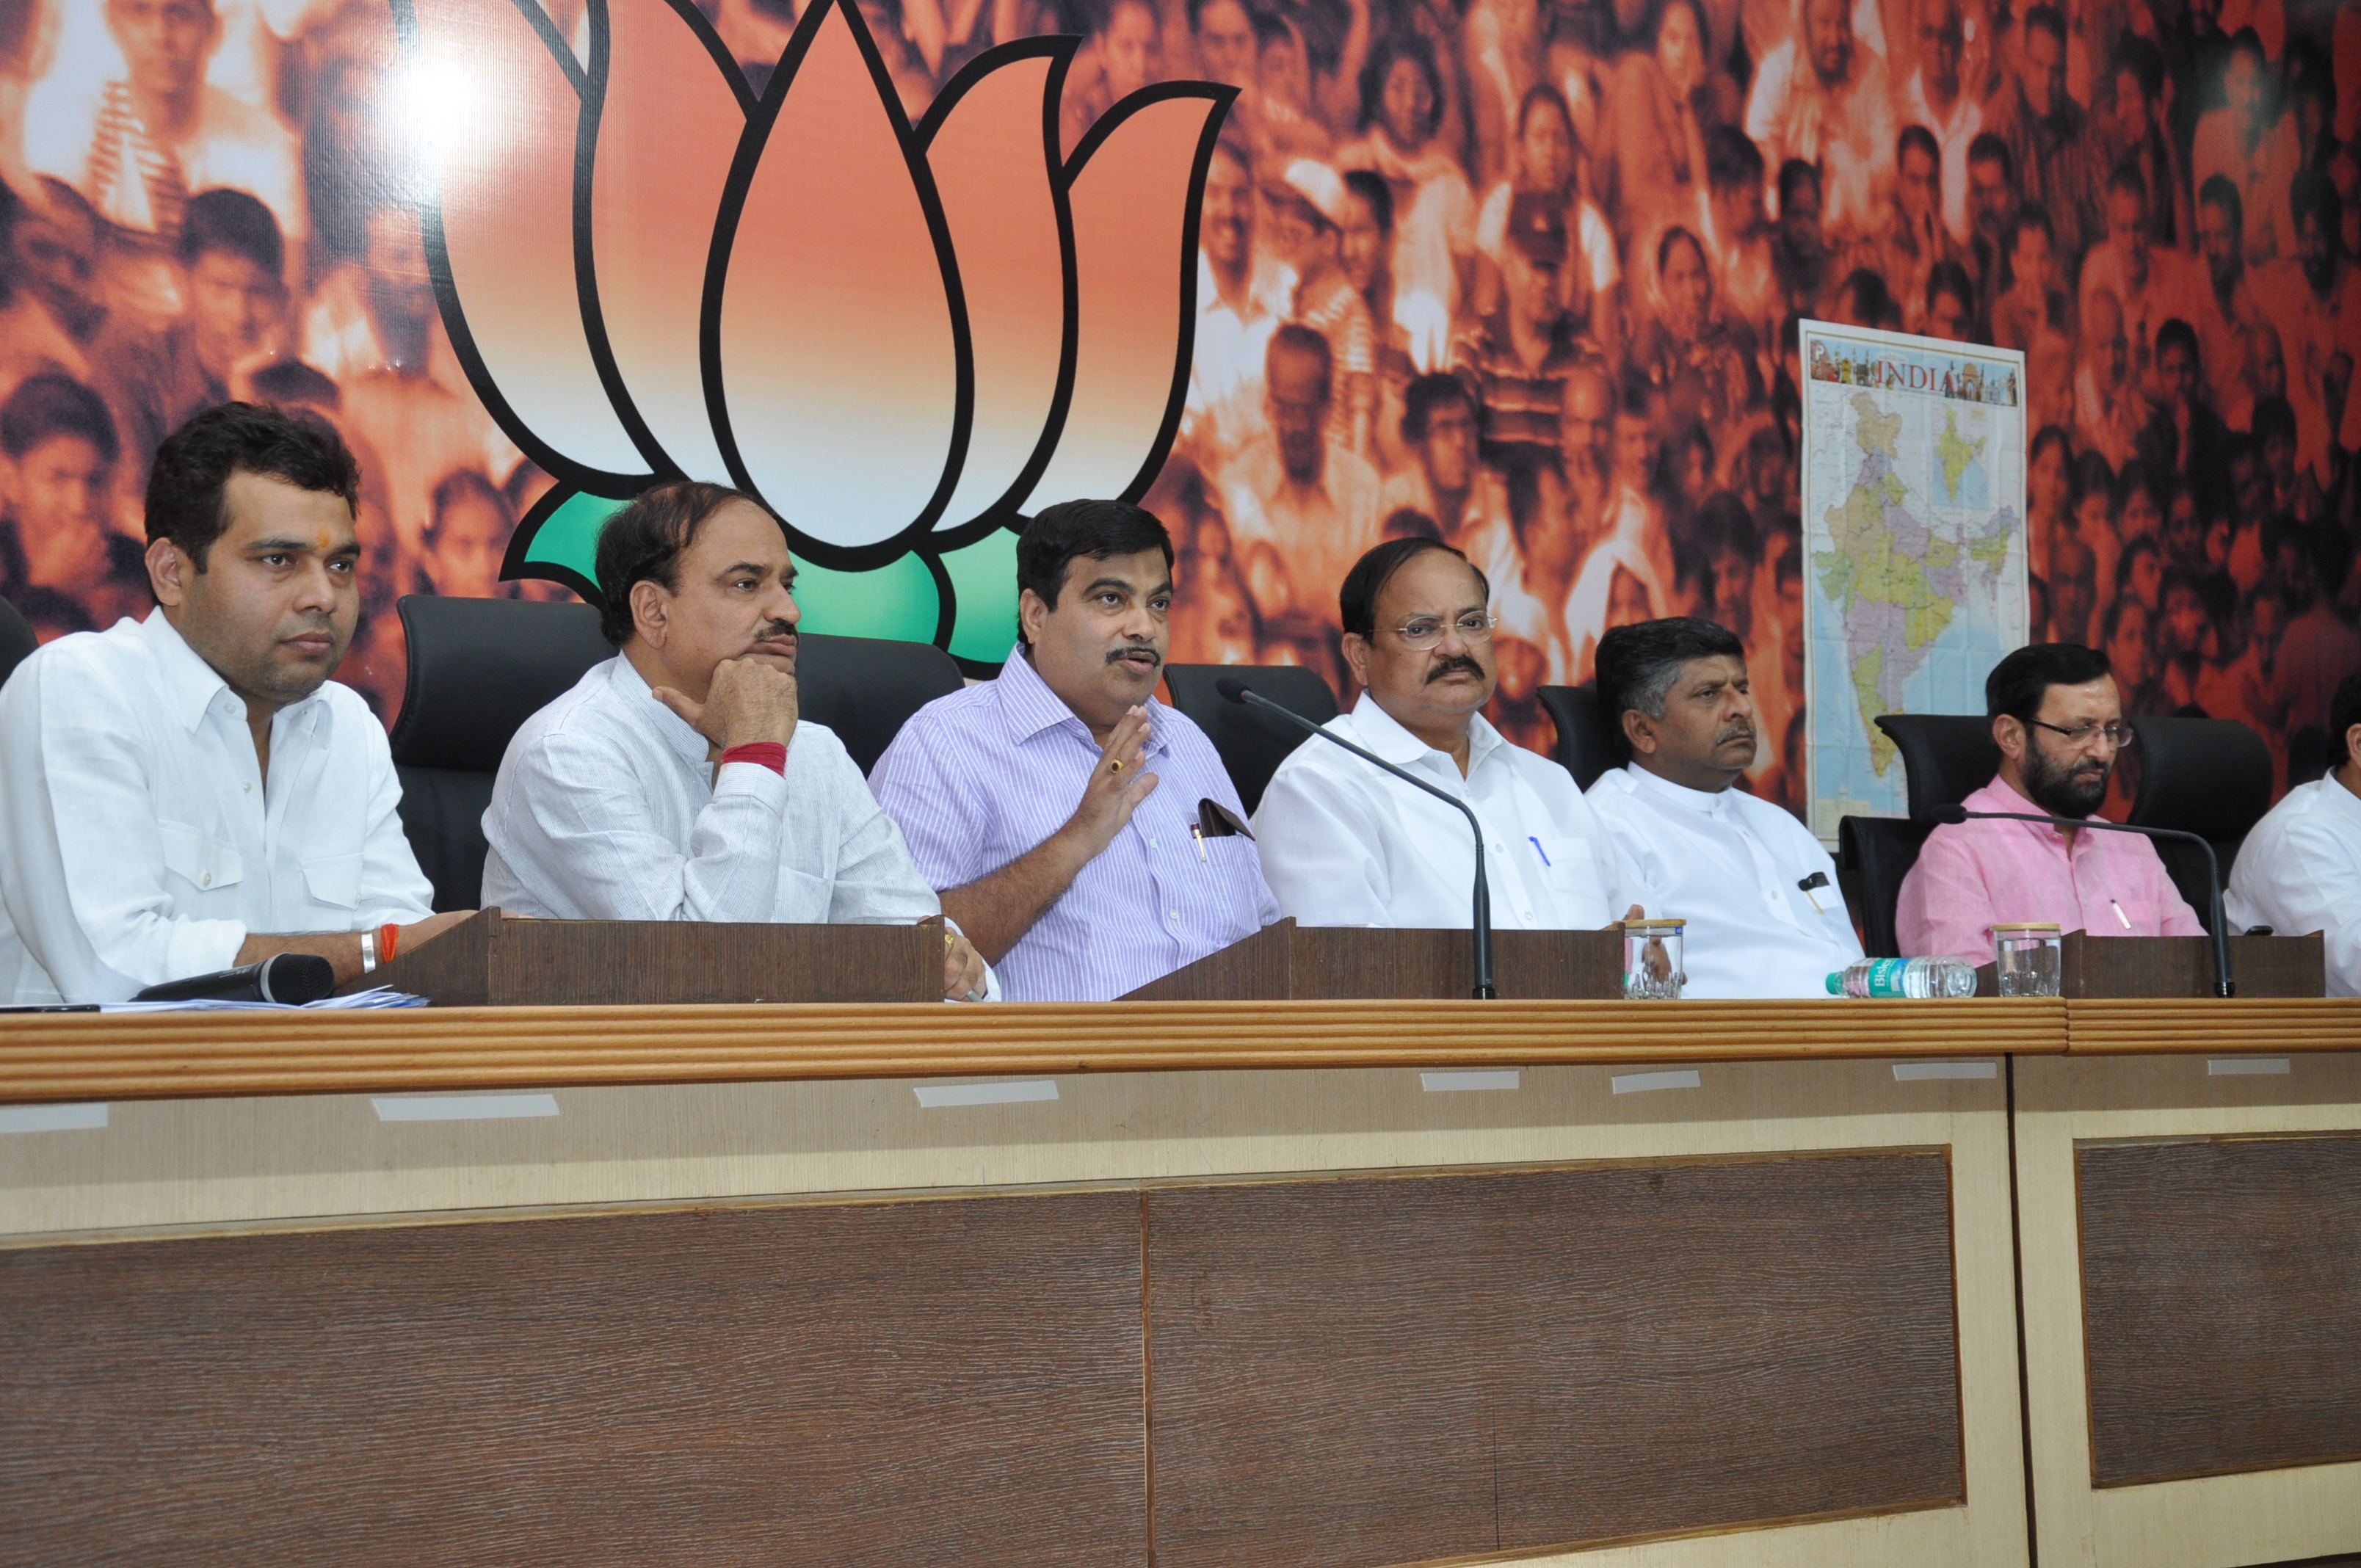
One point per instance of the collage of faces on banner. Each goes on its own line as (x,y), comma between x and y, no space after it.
(1523,275)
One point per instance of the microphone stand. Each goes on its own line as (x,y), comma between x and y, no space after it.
(2224,985)
(1238,691)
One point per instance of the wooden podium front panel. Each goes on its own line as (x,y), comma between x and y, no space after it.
(2221,1304)
(875,1384)
(2187,1230)
(2102,968)
(1448,1366)
(1285,961)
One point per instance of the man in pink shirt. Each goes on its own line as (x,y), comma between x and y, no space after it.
(2059,721)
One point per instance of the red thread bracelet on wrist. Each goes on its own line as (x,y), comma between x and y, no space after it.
(771,754)
(389,937)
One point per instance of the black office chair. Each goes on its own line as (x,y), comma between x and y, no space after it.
(2207,776)
(16,640)
(1251,745)
(1873,854)
(479,669)
(1588,745)
(1946,757)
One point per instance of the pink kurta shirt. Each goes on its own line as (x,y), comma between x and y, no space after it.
(1976,873)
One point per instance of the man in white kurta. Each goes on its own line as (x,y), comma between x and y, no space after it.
(1345,844)
(677,781)
(2300,870)
(1758,892)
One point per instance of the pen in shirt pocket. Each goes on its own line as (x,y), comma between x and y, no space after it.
(1215,820)
(1536,843)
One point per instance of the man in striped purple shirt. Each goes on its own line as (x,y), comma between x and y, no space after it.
(1054,807)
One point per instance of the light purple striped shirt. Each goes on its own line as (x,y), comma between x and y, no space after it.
(979,777)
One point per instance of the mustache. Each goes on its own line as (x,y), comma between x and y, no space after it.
(1456,661)
(776,629)
(1739,731)
(1117,655)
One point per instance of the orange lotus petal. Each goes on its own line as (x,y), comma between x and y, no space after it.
(833,338)
(1134,183)
(499,112)
(993,154)
(669,125)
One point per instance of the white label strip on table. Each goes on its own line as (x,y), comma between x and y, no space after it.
(2245,1066)
(1917,1071)
(1443,1082)
(52,1118)
(1641,1082)
(463,1107)
(942,1096)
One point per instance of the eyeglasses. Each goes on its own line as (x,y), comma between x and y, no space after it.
(1426,631)
(2120,736)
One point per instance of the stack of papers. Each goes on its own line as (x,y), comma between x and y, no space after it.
(376,996)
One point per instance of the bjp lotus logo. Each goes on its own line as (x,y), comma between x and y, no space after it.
(898,336)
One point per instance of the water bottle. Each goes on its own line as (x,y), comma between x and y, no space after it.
(1905,977)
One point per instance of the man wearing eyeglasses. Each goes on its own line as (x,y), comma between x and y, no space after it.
(2059,722)
(1345,844)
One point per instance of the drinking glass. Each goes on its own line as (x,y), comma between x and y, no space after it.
(1652,960)
(2026,959)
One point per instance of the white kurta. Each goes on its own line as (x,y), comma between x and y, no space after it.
(607,808)
(2300,872)
(140,842)
(1730,865)
(1345,844)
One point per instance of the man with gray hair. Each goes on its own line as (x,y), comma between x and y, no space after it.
(1758,892)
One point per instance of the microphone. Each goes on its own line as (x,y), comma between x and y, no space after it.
(1233,689)
(292,978)
(1951,816)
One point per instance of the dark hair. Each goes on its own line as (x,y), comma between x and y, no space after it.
(51,404)
(1371,187)
(1638,664)
(2032,215)
(2344,713)
(1358,599)
(234,222)
(2052,435)
(1544,96)
(1919,136)
(1409,522)
(1990,147)
(1297,338)
(2221,190)
(1871,300)
(2112,621)
(2019,682)
(2272,416)
(187,486)
(2144,60)
(1950,278)
(1411,47)
(1427,393)
(645,542)
(2177,331)
(1723,527)
(1732,161)
(1793,174)
(2046,20)
(2314,194)
(2127,176)
(466,483)
(2094,475)
(1059,534)
(1674,236)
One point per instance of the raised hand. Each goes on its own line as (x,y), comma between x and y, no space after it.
(1117,785)
(750,700)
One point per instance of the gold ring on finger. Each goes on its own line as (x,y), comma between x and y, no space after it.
(1116,766)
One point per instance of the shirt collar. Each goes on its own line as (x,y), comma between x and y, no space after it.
(191,686)
(640,698)
(2001,795)
(1028,707)
(1705,803)
(1383,734)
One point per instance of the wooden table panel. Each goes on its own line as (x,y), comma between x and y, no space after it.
(1404,1369)
(2222,1304)
(942,1382)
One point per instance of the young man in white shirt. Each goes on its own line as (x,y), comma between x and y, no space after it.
(2300,870)
(191,792)
(1758,892)
(676,781)
(1347,844)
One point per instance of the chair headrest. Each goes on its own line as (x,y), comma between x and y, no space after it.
(2208,776)
(1946,757)
(865,689)
(1251,743)
(1588,745)
(479,668)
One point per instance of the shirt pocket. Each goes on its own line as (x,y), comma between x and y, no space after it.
(199,859)
(335,879)
(1566,864)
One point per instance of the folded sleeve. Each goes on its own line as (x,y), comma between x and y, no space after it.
(84,846)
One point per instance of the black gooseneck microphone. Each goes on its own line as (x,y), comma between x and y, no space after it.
(1951,816)
(1236,690)
(293,978)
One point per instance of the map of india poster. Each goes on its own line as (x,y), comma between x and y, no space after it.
(1914,545)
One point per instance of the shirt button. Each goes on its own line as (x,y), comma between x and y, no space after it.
(1173,913)
(205,880)
(1151,843)
(247,787)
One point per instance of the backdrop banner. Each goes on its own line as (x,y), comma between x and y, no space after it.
(1299,275)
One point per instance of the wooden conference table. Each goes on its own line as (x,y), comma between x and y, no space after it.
(1233,1283)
